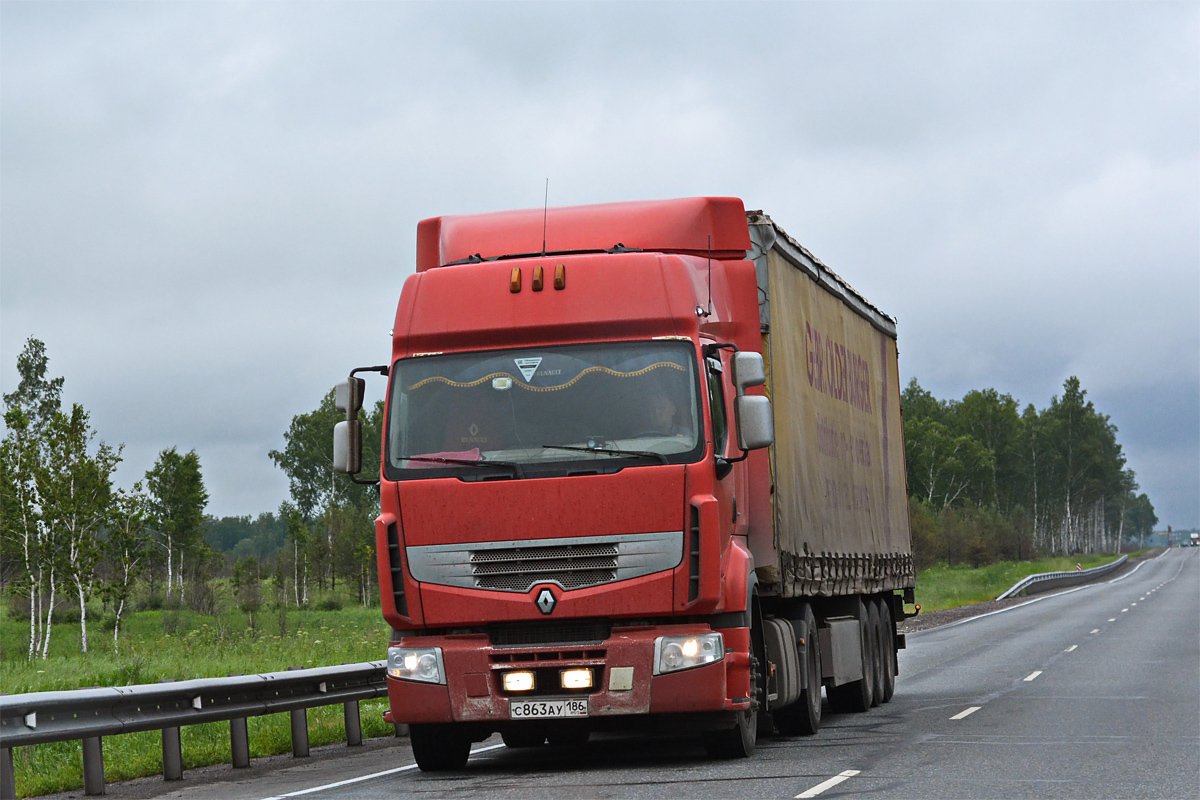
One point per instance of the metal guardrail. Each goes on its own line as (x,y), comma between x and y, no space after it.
(89,714)
(1046,581)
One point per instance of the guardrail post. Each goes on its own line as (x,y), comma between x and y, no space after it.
(93,765)
(239,738)
(239,742)
(8,778)
(299,729)
(353,724)
(172,750)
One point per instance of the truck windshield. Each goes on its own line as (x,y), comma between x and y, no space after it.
(546,409)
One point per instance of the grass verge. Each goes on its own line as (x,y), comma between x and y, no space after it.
(183,645)
(945,586)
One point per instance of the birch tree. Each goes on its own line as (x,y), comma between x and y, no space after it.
(75,488)
(125,552)
(176,501)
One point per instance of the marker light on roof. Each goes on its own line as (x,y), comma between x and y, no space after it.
(514,280)
(537,278)
(560,276)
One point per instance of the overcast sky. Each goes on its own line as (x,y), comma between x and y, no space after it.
(207,210)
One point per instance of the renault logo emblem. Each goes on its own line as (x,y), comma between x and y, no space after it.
(546,602)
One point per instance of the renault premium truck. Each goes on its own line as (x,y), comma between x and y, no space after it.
(642,469)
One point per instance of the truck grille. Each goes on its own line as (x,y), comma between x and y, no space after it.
(518,569)
(571,563)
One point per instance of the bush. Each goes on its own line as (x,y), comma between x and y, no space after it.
(329,604)
(152,601)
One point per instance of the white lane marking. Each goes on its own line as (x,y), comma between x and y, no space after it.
(362,778)
(967,713)
(1072,647)
(829,784)
(1033,675)
(1112,619)
(1131,605)
(1123,610)
(1095,630)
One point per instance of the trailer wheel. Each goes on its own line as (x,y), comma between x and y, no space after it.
(875,628)
(803,718)
(858,695)
(439,747)
(889,649)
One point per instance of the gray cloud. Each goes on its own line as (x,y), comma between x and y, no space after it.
(207,210)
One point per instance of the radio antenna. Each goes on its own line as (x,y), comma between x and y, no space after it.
(709,314)
(545,214)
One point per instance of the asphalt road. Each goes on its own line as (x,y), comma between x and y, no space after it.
(1089,693)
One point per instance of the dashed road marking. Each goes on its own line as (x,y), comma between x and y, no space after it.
(1112,619)
(967,713)
(1131,605)
(829,784)
(1072,647)
(1095,630)
(1032,675)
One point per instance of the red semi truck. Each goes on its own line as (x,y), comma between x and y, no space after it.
(642,467)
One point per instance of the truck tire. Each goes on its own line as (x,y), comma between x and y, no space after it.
(876,630)
(888,638)
(439,747)
(803,718)
(858,696)
(739,740)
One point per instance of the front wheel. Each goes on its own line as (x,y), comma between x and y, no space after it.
(736,742)
(740,740)
(439,747)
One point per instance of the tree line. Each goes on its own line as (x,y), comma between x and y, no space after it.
(69,534)
(991,480)
(988,480)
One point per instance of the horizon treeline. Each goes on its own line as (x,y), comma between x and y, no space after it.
(989,480)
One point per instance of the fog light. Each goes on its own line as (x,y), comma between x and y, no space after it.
(518,681)
(576,678)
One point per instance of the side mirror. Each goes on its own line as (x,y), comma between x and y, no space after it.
(348,396)
(755,426)
(347,447)
(748,370)
(347,435)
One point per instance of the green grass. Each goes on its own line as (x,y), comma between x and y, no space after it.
(945,586)
(183,645)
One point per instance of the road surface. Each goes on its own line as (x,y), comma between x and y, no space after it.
(1089,693)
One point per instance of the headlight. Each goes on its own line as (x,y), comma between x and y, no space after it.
(422,664)
(673,653)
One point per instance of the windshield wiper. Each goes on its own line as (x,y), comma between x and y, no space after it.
(514,466)
(607,451)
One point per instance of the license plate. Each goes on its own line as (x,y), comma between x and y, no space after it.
(548,709)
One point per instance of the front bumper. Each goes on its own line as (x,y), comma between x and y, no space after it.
(472,692)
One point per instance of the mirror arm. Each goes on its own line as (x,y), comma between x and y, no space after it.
(381,369)
(711,349)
